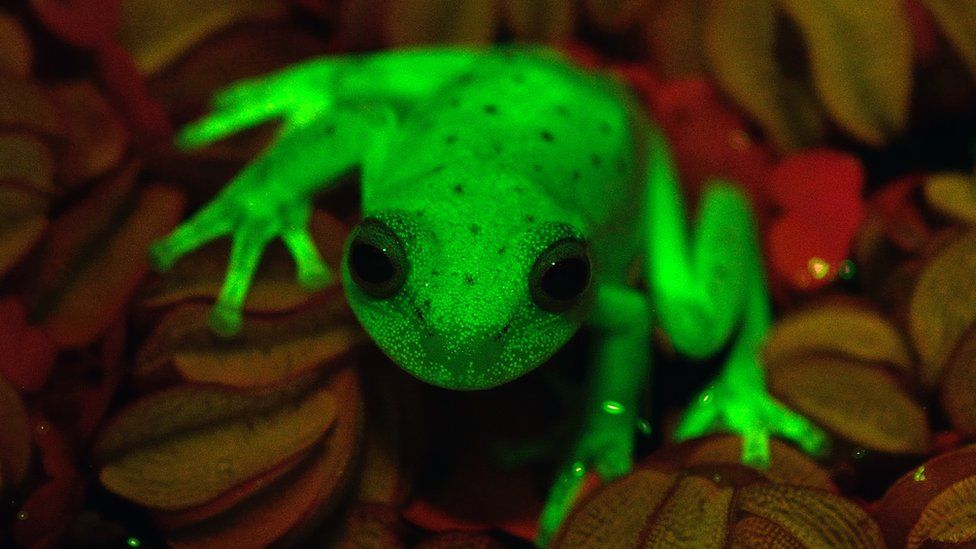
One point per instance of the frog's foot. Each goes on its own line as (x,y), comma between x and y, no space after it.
(755,415)
(253,224)
(606,450)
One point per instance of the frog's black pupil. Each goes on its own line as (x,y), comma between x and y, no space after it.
(372,265)
(566,279)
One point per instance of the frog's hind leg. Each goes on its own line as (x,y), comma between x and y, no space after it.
(704,290)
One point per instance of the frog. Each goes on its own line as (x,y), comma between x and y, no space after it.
(507,194)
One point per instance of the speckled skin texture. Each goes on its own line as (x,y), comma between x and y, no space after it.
(477,180)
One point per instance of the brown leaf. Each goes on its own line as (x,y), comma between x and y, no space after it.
(15,48)
(22,222)
(15,436)
(95,256)
(275,288)
(860,58)
(26,353)
(933,505)
(97,137)
(705,506)
(943,305)
(156,33)
(952,194)
(288,509)
(848,329)
(177,467)
(859,401)
(25,105)
(959,385)
(740,44)
(441,22)
(25,159)
(787,464)
(540,20)
(958,22)
(674,35)
(616,15)
(265,352)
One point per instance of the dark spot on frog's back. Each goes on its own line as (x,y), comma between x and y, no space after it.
(547,136)
(469,280)
(596,160)
(491,109)
(475,229)
(562,110)
(458,189)
(451,139)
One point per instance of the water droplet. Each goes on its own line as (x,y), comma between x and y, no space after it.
(578,469)
(613,407)
(717,478)
(919,475)
(22,515)
(859,453)
(644,426)
(706,398)
(133,542)
(847,269)
(819,268)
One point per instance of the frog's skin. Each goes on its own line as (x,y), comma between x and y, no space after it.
(480,169)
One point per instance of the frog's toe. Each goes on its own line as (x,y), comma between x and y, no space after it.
(792,426)
(226,321)
(613,462)
(313,273)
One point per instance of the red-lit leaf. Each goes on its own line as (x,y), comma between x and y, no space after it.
(96,255)
(959,385)
(15,436)
(22,221)
(933,505)
(26,352)
(25,105)
(904,224)
(25,159)
(820,194)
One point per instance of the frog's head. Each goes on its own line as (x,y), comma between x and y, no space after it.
(463,299)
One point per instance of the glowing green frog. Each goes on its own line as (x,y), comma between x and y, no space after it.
(505,195)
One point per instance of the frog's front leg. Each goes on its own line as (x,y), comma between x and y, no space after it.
(621,361)
(271,197)
(706,289)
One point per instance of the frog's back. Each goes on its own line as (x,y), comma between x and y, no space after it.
(570,134)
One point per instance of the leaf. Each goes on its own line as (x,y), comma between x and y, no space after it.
(958,22)
(96,254)
(861,60)
(26,353)
(850,330)
(740,45)
(705,507)
(959,385)
(178,468)
(943,305)
(788,465)
(275,287)
(15,437)
(540,20)
(157,33)
(616,15)
(954,195)
(819,192)
(859,401)
(288,509)
(932,505)
(811,518)
(25,105)
(25,159)
(266,351)
(440,22)
(16,56)
(97,138)
(674,35)
(22,222)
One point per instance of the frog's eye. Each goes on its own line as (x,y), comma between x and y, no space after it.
(377,261)
(561,275)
